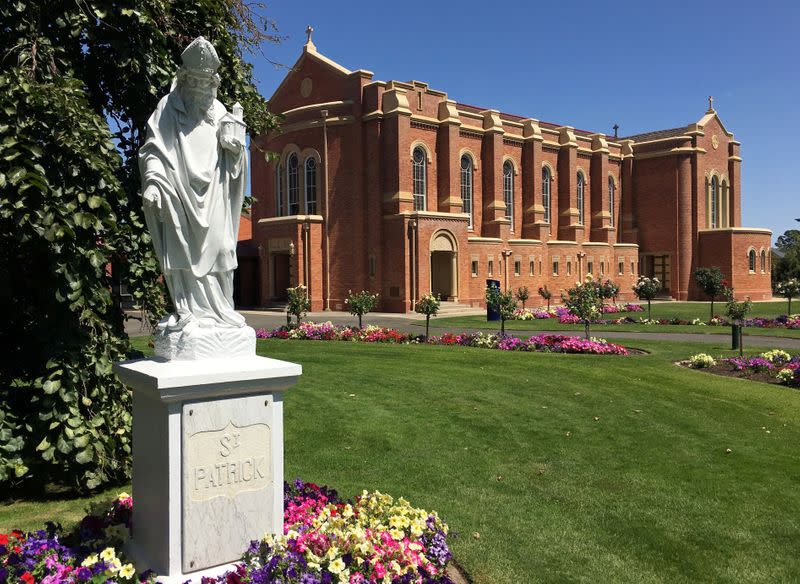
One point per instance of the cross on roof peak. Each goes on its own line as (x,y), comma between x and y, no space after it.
(710,104)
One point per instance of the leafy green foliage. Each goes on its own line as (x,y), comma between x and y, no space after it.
(62,410)
(786,264)
(79,83)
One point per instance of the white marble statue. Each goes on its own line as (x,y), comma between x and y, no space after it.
(194,167)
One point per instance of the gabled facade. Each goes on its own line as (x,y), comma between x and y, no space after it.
(395,188)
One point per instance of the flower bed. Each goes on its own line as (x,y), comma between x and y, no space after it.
(564,316)
(326,540)
(774,366)
(545,343)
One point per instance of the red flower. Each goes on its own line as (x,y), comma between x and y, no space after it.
(27,578)
(3,539)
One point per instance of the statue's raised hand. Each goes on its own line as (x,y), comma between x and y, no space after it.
(231,144)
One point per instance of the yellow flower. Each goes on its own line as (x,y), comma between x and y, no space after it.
(336,566)
(89,561)
(333,552)
(397,534)
(127,571)
(108,554)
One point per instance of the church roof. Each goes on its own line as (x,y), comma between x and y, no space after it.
(655,135)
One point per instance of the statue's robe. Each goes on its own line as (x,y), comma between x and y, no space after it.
(202,188)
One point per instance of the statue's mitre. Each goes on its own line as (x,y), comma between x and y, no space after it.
(200,57)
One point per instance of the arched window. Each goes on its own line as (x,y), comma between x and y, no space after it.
(466,186)
(293,182)
(279,191)
(714,196)
(763,261)
(311,186)
(420,178)
(723,204)
(751,256)
(546,193)
(611,201)
(579,201)
(508,190)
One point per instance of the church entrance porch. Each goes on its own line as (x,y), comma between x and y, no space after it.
(444,266)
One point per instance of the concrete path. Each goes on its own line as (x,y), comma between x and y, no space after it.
(414,323)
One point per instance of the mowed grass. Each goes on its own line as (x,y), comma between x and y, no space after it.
(682,310)
(570,468)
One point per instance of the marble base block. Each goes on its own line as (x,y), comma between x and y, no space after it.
(205,343)
(207,460)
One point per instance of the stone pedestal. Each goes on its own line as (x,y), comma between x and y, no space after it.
(207,460)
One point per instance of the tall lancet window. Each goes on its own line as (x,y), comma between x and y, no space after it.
(579,201)
(311,186)
(466,186)
(293,181)
(279,208)
(611,200)
(418,161)
(714,203)
(508,191)
(546,193)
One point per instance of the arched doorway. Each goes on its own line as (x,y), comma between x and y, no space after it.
(444,266)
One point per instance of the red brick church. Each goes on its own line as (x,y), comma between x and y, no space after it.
(393,187)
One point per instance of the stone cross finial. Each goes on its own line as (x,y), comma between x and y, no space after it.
(616,128)
(309,30)
(710,104)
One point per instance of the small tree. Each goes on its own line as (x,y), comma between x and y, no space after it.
(429,306)
(546,294)
(584,301)
(737,312)
(361,303)
(299,303)
(647,289)
(503,302)
(711,282)
(523,295)
(608,290)
(789,289)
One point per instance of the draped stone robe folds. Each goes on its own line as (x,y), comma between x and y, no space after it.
(196,227)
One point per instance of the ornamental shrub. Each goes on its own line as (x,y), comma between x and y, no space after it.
(789,289)
(429,306)
(503,302)
(736,313)
(647,289)
(523,295)
(361,303)
(546,295)
(298,303)
(711,282)
(584,302)
(608,290)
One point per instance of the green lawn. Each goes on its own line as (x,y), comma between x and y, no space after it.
(570,467)
(683,310)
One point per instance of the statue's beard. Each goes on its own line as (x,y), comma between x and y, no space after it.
(199,105)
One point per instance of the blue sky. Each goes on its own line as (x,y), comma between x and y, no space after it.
(644,65)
